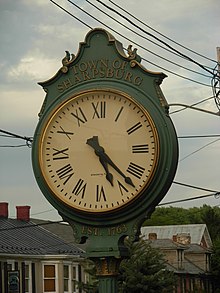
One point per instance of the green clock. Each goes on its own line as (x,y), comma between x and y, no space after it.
(98,151)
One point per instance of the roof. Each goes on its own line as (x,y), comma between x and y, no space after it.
(196,231)
(62,230)
(21,237)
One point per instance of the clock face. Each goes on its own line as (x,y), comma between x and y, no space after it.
(98,151)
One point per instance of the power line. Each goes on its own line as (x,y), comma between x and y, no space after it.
(13,146)
(128,39)
(116,20)
(13,135)
(43,212)
(31,225)
(195,187)
(70,14)
(197,103)
(8,134)
(156,38)
(196,151)
(188,199)
(156,31)
(198,136)
(139,46)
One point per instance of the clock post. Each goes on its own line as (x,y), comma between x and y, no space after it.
(105,150)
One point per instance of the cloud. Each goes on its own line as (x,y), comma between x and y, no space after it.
(34,66)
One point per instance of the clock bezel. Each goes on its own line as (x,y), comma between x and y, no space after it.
(163,175)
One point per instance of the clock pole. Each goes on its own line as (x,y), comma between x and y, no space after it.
(107,273)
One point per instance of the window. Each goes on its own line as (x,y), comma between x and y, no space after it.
(66,278)
(10,265)
(70,276)
(49,278)
(74,278)
(27,277)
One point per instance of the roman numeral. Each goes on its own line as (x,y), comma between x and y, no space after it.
(65,173)
(140,148)
(134,128)
(60,154)
(122,188)
(100,193)
(80,188)
(80,116)
(119,113)
(67,133)
(135,170)
(99,109)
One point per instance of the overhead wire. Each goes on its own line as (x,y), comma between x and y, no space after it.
(186,199)
(197,103)
(128,39)
(159,33)
(13,146)
(157,55)
(156,38)
(8,134)
(199,149)
(71,14)
(198,136)
(31,225)
(195,187)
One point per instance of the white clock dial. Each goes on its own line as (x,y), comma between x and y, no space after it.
(98,151)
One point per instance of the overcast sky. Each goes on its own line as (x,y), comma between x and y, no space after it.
(34,36)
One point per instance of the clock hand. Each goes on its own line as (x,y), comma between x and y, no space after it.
(100,152)
(108,176)
(111,163)
(93,142)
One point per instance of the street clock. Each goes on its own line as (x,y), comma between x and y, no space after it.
(105,150)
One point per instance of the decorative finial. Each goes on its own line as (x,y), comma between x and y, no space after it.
(66,61)
(132,54)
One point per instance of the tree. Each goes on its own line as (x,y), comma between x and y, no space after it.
(215,264)
(91,286)
(144,270)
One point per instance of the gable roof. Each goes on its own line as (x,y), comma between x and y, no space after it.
(198,232)
(21,237)
(61,229)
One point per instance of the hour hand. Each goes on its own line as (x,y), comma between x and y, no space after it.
(94,143)
(99,151)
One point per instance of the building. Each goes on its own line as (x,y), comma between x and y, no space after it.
(187,251)
(35,260)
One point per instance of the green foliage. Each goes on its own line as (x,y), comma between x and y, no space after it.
(144,270)
(215,263)
(91,286)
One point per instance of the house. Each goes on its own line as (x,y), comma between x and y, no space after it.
(34,259)
(187,251)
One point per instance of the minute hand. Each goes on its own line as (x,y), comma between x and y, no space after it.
(111,163)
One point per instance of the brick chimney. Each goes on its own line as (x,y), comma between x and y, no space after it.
(4,210)
(152,236)
(175,238)
(184,238)
(23,213)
